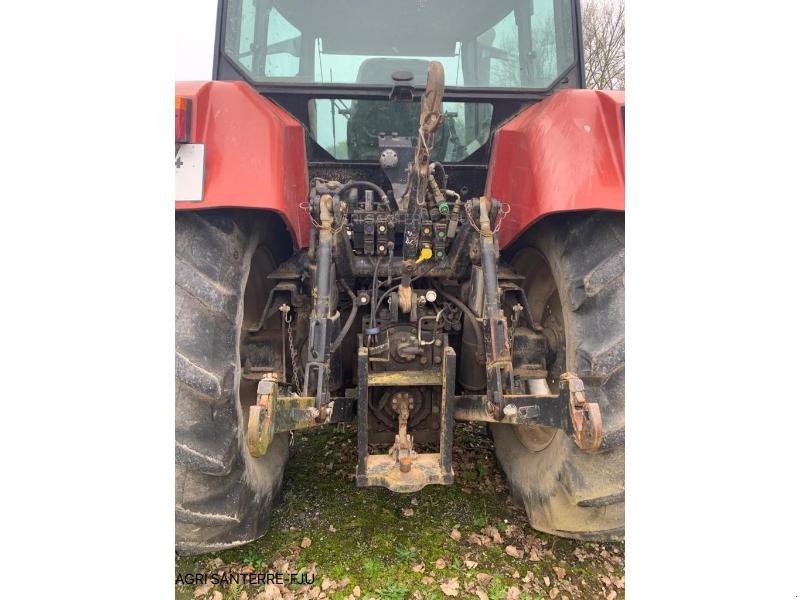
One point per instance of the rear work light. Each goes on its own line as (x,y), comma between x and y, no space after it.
(183,119)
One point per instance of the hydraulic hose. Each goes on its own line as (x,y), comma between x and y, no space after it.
(437,166)
(374,293)
(367,184)
(468,314)
(350,318)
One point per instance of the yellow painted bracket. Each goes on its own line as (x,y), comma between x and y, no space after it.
(273,414)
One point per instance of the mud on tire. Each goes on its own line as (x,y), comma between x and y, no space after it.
(566,491)
(223,495)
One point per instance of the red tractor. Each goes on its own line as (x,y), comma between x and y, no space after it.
(403,213)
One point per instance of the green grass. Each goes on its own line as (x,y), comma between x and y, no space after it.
(360,536)
(372,567)
(392,592)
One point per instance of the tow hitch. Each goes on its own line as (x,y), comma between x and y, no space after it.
(274,413)
(567,410)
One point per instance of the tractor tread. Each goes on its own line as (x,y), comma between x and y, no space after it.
(566,491)
(598,279)
(184,515)
(601,363)
(603,501)
(223,495)
(216,461)
(211,294)
(197,378)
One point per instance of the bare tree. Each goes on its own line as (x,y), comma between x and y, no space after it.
(604,43)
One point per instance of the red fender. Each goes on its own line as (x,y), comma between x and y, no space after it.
(566,153)
(255,155)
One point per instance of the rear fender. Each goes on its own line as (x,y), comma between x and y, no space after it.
(255,154)
(564,154)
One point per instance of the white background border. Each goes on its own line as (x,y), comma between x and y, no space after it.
(87,311)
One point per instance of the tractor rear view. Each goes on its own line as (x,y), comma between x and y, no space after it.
(404,215)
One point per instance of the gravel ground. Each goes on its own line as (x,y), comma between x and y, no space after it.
(467,540)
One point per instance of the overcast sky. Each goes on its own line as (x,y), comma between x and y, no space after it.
(196,22)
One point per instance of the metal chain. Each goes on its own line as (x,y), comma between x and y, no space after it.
(292,354)
(468,208)
(305,206)
(505,208)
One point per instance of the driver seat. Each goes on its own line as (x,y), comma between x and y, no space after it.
(369,118)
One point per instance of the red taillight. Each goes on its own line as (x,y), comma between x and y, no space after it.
(183,119)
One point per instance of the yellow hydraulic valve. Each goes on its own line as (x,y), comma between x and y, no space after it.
(424,254)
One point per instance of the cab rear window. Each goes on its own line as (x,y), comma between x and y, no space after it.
(349,129)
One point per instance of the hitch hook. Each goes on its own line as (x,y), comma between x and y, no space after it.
(587,424)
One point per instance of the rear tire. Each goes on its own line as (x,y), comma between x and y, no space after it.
(575,283)
(222,494)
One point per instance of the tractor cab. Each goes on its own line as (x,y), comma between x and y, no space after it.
(332,65)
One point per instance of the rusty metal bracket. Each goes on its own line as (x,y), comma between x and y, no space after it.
(403,449)
(274,414)
(402,469)
(587,424)
(568,410)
